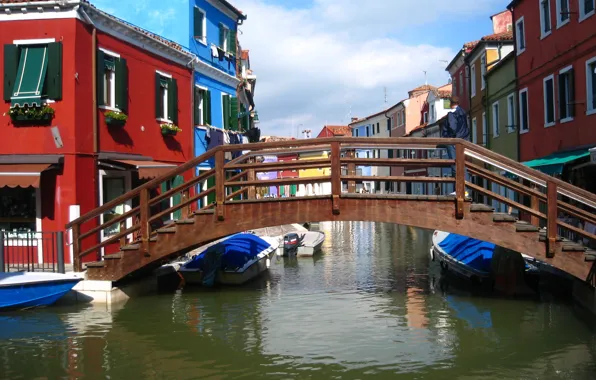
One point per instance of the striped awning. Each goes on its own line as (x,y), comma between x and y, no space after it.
(21,175)
(31,75)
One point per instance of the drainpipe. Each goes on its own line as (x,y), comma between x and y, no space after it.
(94,79)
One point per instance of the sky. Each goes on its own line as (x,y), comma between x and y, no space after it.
(321,62)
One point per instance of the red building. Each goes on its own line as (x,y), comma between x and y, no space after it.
(90,70)
(555,48)
(460,75)
(335,131)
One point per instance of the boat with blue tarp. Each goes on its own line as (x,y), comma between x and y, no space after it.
(24,290)
(233,261)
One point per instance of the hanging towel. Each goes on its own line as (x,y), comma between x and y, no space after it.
(208,135)
(216,138)
(227,155)
(214,52)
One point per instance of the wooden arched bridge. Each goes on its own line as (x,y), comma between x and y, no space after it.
(214,203)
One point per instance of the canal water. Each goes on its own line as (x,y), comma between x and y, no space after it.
(372,305)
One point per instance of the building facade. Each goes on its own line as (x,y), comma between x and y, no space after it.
(93,108)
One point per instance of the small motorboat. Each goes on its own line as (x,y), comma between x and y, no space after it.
(303,244)
(470,258)
(233,261)
(24,290)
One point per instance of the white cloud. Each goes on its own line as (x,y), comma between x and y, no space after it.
(314,65)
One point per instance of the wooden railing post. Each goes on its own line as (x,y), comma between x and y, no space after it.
(351,172)
(335,176)
(76,248)
(186,210)
(252,190)
(144,220)
(460,180)
(220,189)
(534,205)
(551,219)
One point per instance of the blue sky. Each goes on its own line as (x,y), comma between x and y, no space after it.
(321,61)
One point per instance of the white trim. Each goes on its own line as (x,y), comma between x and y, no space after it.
(520,108)
(511,113)
(563,71)
(589,87)
(496,119)
(201,87)
(546,79)
(109,52)
(162,120)
(518,49)
(582,15)
(544,34)
(164,74)
(473,80)
(34,41)
(226,35)
(8,15)
(203,39)
(558,13)
(108,108)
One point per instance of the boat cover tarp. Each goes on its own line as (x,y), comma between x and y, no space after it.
(475,253)
(237,251)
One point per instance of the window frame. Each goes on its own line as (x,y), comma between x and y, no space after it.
(127,206)
(432,112)
(473,79)
(582,15)
(482,70)
(546,79)
(564,71)
(110,107)
(165,116)
(425,117)
(544,34)
(203,39)
(226,36)
(520,49)
(590,87)
(201,104)
(520,107)
(13,239)
(484,130)
(511,113)
(558,13)
(496,119)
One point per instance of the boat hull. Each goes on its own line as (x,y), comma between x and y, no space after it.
(26,295)
(229,278)
(312,244)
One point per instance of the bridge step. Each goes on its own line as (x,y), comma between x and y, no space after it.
(167,230)
(204,212)
(478,207)
(590,255)
(542,237)
(96,264)
(185,221)
(572,247)
(131,247)
(525,227)
(114,256)
(502,217)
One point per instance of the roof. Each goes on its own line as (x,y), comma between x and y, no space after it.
(466,48)
(276,138)
(339,130)
(499,13)
(371,116)
(424,87)
(496,37)
(237,11)
(513,4)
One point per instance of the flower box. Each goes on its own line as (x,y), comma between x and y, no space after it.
(169,129)
(31,115)
(115,122)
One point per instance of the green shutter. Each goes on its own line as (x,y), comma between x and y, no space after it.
(158,104)
(197,101)
(177,198)
(221,36)
(11,62)
(54,74)
(233,113)
(245,123)
(207,107)
(198,23)
(226,111)
(210,184)
(122,85)
(165,204)
(232,42)
(99,76)
(173,100)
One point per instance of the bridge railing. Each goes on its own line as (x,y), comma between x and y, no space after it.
(410,168)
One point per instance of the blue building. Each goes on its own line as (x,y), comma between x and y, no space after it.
(363,130)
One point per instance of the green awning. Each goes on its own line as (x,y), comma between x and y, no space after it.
(31,75)
(553,164)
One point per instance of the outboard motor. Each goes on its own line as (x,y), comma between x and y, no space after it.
(291,243)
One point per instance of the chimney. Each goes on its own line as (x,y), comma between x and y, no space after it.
(354,119)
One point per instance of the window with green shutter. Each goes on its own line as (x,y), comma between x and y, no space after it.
(198,115)
(231,47)
(225,99)
(112,81)
(166,98)
(233,113)
(207,107)
(224,37)
(199,25)
(32,73)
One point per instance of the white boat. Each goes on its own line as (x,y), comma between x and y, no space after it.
(233,261)
(303,244)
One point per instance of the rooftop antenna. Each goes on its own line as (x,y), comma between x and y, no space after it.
(385,91)
(425,79)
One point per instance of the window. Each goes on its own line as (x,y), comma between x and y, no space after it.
(496,119)
(32,72)
(200,25)
(355,132)
(399,118)
(389,122)
(484,130)
(482,71)
(474,131)
(230,112)
(112,81)
(372,126)
(425,117)
(586,9)
(545,26)
(432,112)
(562,12)
(378,127)
(202,111)
(473,80)
(520,38)
(591,86)
(112,185)
(227,39)
(510,113)
(454,85)
(18,210)
(461,82)
(403,117)
(566,94)
(549,101)
(524,115)
(166,98)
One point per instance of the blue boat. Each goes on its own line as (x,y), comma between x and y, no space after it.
(23,290)
(233,261)
(469,258)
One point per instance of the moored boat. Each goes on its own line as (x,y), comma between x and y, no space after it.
(233,261)
(23,290)
(303,244)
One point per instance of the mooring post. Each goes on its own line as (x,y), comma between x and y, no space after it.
(335,176)
(460,180)
(220,188)
(60,251)
(551,219)
(76,248)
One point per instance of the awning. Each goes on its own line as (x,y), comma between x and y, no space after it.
(21,175)
(31,76)
(553,164)
(148,169)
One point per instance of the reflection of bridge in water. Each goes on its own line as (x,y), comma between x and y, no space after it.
(144,244)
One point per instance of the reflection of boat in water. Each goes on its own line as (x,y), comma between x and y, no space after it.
(303,244)
(470,258)
(23,290)
(233,261)
(32,325)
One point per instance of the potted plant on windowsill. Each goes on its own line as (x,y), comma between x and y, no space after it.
(169,129)
(115,118)
(31,115)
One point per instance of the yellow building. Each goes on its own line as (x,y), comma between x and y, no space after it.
(317,188)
